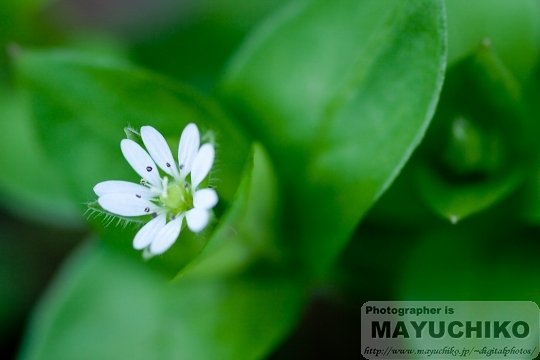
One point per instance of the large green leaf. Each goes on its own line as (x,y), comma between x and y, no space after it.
(30,184)
(249,229)
(106,306)
(340,92)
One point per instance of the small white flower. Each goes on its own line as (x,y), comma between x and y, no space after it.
(170,196)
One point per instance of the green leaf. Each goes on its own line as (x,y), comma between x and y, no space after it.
(340,93)
(479,144)
(512,26)
(106,306)
(474,261)
(250,227)
(201,46)
(83,103)
(30,184)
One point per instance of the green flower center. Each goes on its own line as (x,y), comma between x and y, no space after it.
(178,198)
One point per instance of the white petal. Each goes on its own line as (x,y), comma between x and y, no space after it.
(127,205)
(159,150)
(197,219)
(189,145)
(202,164)
(166,236)
(148,232)
(205,199)
(123,187)
(141,162)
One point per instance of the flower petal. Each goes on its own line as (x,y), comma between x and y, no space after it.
(189,145)
(141,162)
(123,187)
(127,205)
(197,219)
(159,150)
(202,164)
(205,199)
(166,236)
(148,232)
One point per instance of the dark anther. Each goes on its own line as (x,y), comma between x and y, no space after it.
(186,185)
(154,215)
(181,166)
(148,168)
(168,165)
(147,209)
(139,196)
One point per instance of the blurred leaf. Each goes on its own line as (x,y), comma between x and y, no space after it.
(340,93)
(513,26)
(105,306)
(526,202)
(30,184)
(478,145)
(83,103)
(250,226)
(477,262)
(201,40)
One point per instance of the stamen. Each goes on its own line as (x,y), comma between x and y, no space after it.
(168,165)
(154,215)
(139,196)
(164,183)
(147,209)
(148,168)
(181,166)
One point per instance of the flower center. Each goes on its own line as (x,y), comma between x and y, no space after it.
(177,198)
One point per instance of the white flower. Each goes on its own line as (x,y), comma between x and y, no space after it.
(170,196)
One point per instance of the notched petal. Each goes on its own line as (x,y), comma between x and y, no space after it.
(127,205)
(148,232)
(197,219)
(166,237)
(141,162)
(189,145)
(159,150)
(202,164)
(123,187)
(205,199)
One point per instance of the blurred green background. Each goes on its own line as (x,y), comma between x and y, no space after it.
(460,222)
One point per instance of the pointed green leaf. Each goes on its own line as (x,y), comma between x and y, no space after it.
(479,143)
(106,306)
(512,26)
(340,93)
(250,227)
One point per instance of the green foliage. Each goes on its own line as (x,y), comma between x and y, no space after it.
(340,117)
(106,306)
(479,143)
(351,163)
